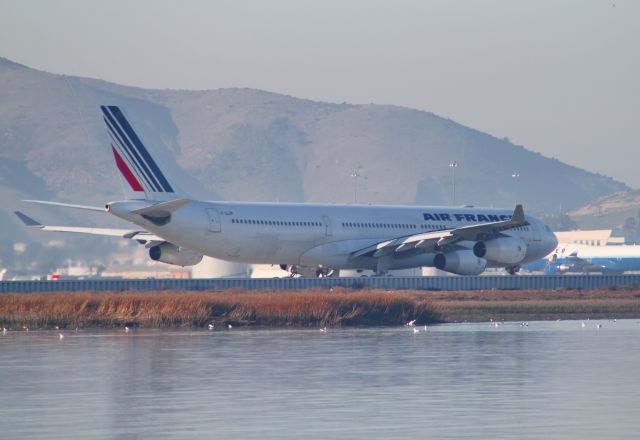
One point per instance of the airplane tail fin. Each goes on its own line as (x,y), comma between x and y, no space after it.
(141,177)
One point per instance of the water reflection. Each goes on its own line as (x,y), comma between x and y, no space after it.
(550,380)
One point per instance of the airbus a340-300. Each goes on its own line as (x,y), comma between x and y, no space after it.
(179,230)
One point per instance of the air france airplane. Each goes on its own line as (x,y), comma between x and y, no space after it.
(320,237)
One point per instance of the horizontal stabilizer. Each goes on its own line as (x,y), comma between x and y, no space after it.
(138,235)
(67,205)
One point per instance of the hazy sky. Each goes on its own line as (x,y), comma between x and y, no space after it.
(559,77)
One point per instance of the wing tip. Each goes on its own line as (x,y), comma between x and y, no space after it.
(518,214)
(28,221)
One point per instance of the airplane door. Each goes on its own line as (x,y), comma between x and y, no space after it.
(214,220)
(327,226)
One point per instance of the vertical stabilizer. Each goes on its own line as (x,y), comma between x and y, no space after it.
(141,176)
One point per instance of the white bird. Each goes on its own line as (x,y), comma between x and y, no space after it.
(126,329)
(583,325)
(425,328)
(60,335)
(57,327)
(4,330)
(211,326)
(323,329)
(230,326)
(599,326)
(416,330)
(411,323)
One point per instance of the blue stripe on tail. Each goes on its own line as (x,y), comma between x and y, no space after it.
(125,151)
(141,149)
(117,131)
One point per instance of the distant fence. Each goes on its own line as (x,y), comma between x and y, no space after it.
(522,282)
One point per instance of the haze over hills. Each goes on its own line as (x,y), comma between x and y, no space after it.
(244,144)
(610,212)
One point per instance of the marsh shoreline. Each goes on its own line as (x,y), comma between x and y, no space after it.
(307,308)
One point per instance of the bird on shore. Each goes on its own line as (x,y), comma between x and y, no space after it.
(126,329)
(416,330)
(599,326)
(411,323)
(211,326)
(583,324)
(229,326)
(4,330)
(425,328)
(60,336)
(323,330)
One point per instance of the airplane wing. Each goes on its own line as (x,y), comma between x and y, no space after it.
(140,236)
(431,241)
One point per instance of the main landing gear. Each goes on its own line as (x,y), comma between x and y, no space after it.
(323,272)
(296,271)
(512,269)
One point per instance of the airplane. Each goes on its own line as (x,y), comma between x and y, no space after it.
(315,239)
(584,258)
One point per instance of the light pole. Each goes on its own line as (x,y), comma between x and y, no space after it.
(515,175)
(453,165)
(355,176)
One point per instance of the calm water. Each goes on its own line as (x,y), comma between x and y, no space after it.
(550,380)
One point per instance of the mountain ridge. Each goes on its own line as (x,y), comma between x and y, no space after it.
(254,145)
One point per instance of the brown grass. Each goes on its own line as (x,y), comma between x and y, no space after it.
(340,307)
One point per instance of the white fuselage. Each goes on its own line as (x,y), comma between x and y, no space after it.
(318,234)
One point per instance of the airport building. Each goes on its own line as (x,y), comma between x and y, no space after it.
(596,237)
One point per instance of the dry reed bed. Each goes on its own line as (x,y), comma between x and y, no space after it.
(339,307)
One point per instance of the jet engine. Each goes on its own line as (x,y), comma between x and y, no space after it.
(171,254)
(507,250)
(462,262)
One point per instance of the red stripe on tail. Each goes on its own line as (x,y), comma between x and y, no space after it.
(126,172)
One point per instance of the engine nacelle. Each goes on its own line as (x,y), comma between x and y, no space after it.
(460,262)
(507,250)
(171,254)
